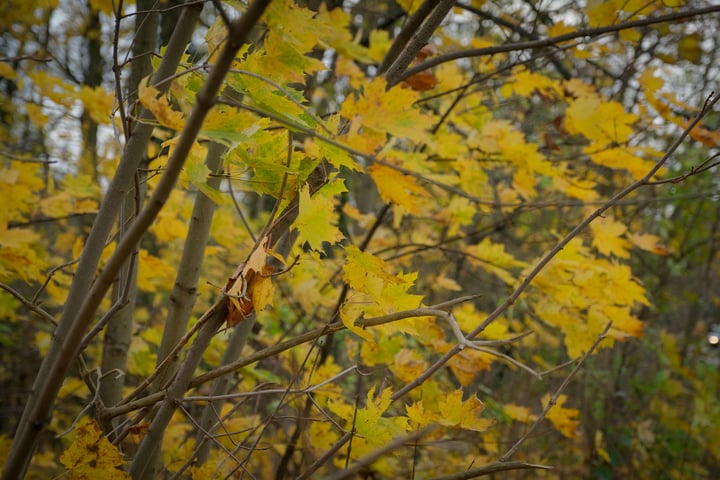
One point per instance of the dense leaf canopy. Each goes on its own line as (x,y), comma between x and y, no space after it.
(327,239)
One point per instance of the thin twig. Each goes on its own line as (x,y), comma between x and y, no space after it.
(556,395)
(33,307)
(551,41)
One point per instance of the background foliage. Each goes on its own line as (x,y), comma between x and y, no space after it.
(359,239)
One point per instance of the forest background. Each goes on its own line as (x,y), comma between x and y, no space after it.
(358,239)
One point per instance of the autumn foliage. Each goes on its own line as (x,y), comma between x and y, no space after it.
(358,240)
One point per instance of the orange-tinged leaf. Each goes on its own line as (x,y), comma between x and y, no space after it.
(647,242)
(261,290)
(564,419)
(250,288)
(467,364)
(408,364)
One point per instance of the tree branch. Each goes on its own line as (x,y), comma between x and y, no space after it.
(554,41)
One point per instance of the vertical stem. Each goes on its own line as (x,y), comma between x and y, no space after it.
(54,366)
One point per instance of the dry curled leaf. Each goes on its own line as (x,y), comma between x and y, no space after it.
(250,288)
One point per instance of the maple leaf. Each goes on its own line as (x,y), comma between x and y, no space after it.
(456,413)
(620,158)
(370,423)
(564,419)
(196,172)
(250,288)
(607,237)
(493,258)
(602,122)
(521,414)
(317,219)
(648,242)
(91,455)
(467,364)
(397,188)
(417,414)
(526,82)
(158,104)
(408,364)
(379,111)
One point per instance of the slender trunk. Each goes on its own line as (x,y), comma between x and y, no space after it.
(118,334)
(52,371)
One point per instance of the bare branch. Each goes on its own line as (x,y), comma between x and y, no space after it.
(552,41)
(556,395)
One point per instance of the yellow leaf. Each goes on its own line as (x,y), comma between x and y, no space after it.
(317,220)
(158,104)
(603,12)
(91,455)
(369,422)
(379,112)
(526,82)
(620,158)
(398,188)
(473,179)
(153,273)
(645,241)
(456,413)
(467,364)
(622,286)
(564,419)
(409,5)
(369,274)
(607,237)
(689,47)
(7,71)
(603,122)
(418,415)
(600,446)
(521,414)
(493,258)
(408,364)
(98,103)
(195,172)
(624,324)
(261,290)
(560,28)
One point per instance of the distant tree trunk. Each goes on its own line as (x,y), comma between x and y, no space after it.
(118,333)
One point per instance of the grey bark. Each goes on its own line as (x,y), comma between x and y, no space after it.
(118,333)
(63,347)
